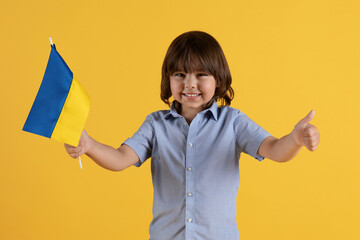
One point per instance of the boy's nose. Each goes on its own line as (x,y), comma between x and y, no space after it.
(190,81)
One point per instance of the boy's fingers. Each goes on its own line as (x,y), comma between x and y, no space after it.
(309,130)
(68,146)
(312,141)
(69,149)
(72,149)
(74,152)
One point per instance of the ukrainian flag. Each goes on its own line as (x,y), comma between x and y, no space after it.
(61,106)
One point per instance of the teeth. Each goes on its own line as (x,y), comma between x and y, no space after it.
(192,95)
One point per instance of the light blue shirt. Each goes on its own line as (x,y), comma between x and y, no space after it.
(195,170)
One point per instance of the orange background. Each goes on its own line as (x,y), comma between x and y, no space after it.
(286,58)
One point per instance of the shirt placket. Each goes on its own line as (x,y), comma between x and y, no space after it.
(190,220)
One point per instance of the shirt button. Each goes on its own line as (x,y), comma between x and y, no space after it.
(189,169)
(190,144)
(189,220)
(189,194)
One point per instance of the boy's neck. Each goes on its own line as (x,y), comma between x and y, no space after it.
(189,114)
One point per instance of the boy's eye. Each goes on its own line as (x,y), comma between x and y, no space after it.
(179,74)
(203,74)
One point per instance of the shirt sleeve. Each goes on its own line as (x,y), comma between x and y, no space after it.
(142,141)
(249,135)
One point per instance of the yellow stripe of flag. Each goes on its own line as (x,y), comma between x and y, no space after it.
(73,116)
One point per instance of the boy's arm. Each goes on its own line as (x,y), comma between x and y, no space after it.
(287,147)
(104,155)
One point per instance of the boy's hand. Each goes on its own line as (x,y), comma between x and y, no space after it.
(306,134)
(82,148)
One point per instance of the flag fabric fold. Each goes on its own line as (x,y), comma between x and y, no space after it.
(61,106)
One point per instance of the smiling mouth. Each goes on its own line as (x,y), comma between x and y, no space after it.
(191,94)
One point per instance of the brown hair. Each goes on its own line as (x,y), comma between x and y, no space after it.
(197,51)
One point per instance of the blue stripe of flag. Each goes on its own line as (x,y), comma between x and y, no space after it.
(51,97)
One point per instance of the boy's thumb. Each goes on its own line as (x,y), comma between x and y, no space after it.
(308,117)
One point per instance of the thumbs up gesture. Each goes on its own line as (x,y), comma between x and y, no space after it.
(305,133)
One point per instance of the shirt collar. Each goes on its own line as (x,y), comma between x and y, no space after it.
(213,109)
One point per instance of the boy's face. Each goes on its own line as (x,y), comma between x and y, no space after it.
(193,90)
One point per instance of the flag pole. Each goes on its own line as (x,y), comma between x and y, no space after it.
(51,42)
(80,163)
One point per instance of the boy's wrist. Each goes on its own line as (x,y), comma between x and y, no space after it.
(88,144)
(296,139)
